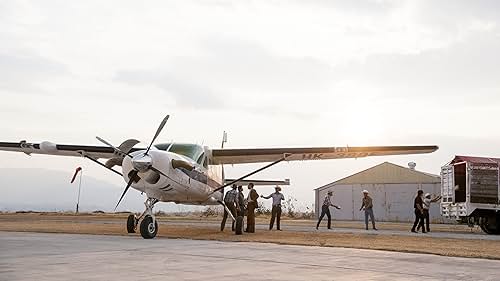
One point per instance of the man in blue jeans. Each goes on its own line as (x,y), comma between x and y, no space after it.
(367,205)
(325,210)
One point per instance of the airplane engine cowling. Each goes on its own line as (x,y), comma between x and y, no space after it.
(48,147)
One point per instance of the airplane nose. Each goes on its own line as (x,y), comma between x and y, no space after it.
(142,162)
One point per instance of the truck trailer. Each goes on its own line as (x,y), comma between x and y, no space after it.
(470,192)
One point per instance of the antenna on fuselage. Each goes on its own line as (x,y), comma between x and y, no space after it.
(224,140)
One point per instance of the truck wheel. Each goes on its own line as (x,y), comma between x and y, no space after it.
(239,225)
(489,225)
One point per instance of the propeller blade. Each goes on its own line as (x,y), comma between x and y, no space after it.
(132,178)
(158,131)
(116,149)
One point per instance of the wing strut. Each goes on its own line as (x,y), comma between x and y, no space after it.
(286,155)
(97,161)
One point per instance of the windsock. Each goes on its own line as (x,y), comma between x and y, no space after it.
(76,173)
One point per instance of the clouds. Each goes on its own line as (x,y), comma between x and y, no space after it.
(233,73)
(290,72)
(20,72)
(465,69)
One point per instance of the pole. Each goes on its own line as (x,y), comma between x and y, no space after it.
(79,188)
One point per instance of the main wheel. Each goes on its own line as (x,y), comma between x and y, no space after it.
(148,228)
(131,223)
(238,228)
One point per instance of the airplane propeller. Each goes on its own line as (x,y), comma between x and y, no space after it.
(158,131)
(133,176)
(140,163)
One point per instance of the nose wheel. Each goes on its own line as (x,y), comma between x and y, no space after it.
(149,226)
(131,223)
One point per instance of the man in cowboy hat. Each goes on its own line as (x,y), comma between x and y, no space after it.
(325,209)
(231,201)
(276,210)
(367,205)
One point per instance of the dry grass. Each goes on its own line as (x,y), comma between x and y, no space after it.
(114,225)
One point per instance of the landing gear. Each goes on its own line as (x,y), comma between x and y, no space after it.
(131,223)
(149,225)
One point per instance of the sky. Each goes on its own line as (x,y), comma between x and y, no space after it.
(270,73)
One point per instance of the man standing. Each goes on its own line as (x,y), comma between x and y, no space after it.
(251,205)
(368,207)
(426,206)
(276,210)
(231,201)
(241,201)
(419,212)
(325,209)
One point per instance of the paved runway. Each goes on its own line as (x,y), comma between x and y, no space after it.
(37,256)
(381,231)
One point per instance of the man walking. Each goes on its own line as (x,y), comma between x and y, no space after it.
(231,201)
(276,210)
(251,205)
(419,212)
(367,205)
(325,209)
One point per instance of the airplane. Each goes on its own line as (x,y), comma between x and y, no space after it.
(191,174)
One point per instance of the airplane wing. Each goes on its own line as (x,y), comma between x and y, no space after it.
(257,155)
(50,148)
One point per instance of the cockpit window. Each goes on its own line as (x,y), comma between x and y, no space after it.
(192,151)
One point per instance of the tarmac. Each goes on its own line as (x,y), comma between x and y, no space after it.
(41,256)
(476,235)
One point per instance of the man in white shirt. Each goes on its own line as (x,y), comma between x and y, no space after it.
(426,206)
(276,210)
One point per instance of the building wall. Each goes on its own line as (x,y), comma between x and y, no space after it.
(391,202)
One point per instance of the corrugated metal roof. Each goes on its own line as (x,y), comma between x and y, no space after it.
(474,159)
(386,173)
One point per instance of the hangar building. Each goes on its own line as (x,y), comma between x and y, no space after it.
(392,187)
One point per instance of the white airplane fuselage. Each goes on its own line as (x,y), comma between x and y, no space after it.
(182,186)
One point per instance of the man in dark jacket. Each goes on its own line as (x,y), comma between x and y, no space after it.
(419,212)
(251,205)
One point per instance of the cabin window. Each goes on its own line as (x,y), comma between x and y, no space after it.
(192,151)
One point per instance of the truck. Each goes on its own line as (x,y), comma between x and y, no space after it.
(471,193)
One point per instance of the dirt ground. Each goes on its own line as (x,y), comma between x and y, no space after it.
(113,224)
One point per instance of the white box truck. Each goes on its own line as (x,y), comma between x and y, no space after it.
(471,192)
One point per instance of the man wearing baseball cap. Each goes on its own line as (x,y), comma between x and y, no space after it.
(367,205)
